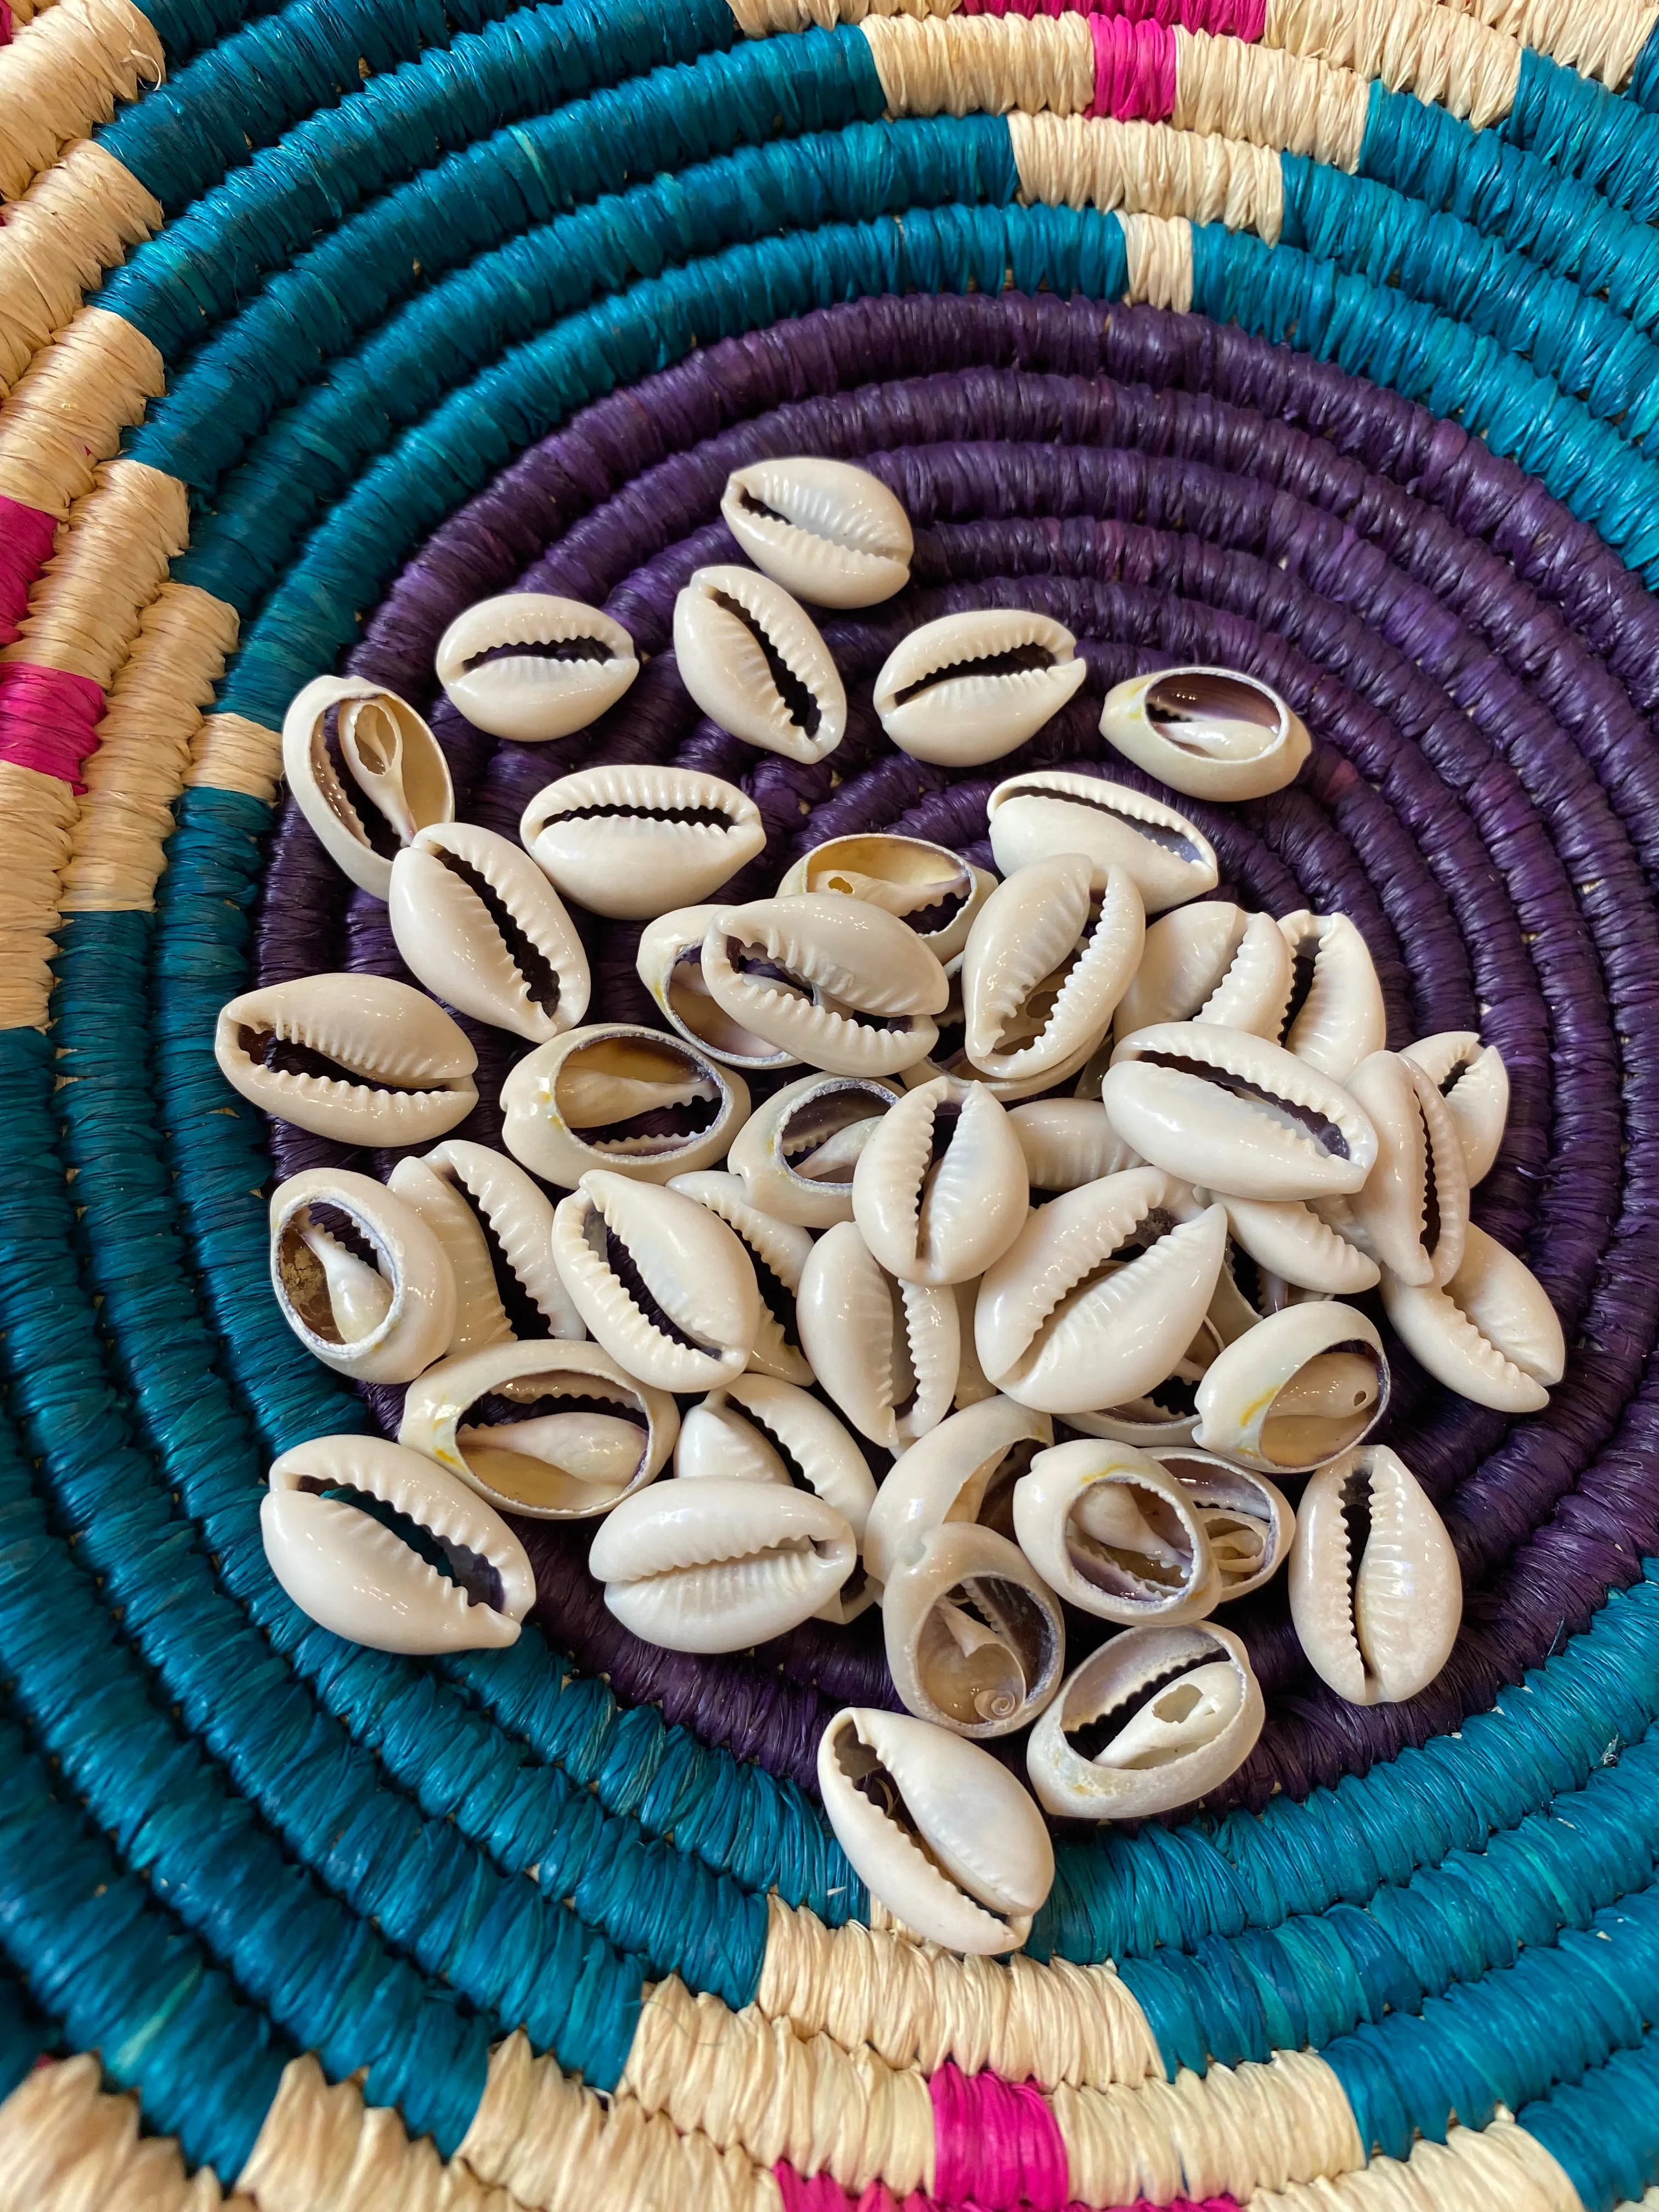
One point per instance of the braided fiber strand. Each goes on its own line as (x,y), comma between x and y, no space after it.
(983,65)
(64,72)
(84,610)
(1147,168)
(230,753)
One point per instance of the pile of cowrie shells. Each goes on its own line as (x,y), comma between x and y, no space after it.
(1029,1288)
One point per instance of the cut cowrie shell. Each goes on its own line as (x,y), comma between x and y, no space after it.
(669,963)
(1153,1721)
(530,666)
(719,1566)
(797,1154)
(1247,1520)
(1474,1083)
(496,1224)
(619,1097)
(1336,1016)
(974,1640)
(371,1293)
(939,1191)
(927,886)
(1305,1384)
(1289,1239)
(662,1282)
(839,984)
(965,1470)
(357,1057)
(1207,733)
(1210,962)
(1044,966)
(1058,811)
(1008,1090)
(937,1830)
(777,1251)
(753,661)
(1236,1114)
(1115,1534)
(1375,1595)
(1068,1141)
(1100,1293)
(1490,1333)
(885,1352)
(391,759)
(478,923)
(970,687)
(354,1574)
(829,533)
(552,1430)
(633,841)
(1414,1207)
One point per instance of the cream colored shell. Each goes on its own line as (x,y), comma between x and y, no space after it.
(758,1430)
(1208,733)
(1063,811)
(390,758)
(942,695)
(381,1320)
(965,1470)
(1475,1083)
(797,1154)
(931,890)
(1210,962)
(669,963)
(778,1251)
(1287,1238)
(885,1352)
(576,664)
(974,1640)
(484,1211)
(831,533)
(1490,1333)
(1044,966)
(939,1191)
(1112,1533)
(1305,1384)
(1414,1206)
(1068,1141)
(1247,1520)
(578,1103)
(635,840)
(753,661)
(1339,1019)
(1379,1627)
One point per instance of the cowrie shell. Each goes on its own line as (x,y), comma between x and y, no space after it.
(357,1057)
(885,1351)
(1058,810)
(825,530)
(839,984)
(1198,1726)
(753,661)
(1290,1240)
(631,841)
(587,1435)
(353,1575)
(571,663)
(1165,1414)
(478,923)
(1044,966)
(1414,1207)
(937,1830)
(973,1387)
(1007,1089)
(381,1316)
(1375,1594)
(391,759)
(928,887)
(1336,1016)
(1211,963)
(965,1470)
(1490,1333)
(1100,1293)
(1114,1533)
(669,963)
(1236,1114)
(1247,1520)
(975,1641)
(496,1224)
(797,1153)
(939,1191)
(1305,1384)
(616,1096)
(777,1251)
(1068,1141)
(719,1566)
(970,687)
(1474,1083)
(1208,733)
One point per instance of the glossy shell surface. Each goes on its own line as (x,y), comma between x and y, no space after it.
(631,841)
(1208,733)
(531,666)
(361,1280)
(614,1096)
(778,1251)
(930,888)
(832,534)
(1115,1534)
(1491,1333)
(940,1191)
(885,1352)
(1068,1141)
(1307,1383)
(669,963)
(974,1639)
(1211,962)
(1472,1078)
(495,1223)
(970,687)
(752,659)
(387,757)
(1337,1015)
(963,1470)
(1375,1595)
(1063,811)
(797,1153)
(1414,1207)
(1044,966)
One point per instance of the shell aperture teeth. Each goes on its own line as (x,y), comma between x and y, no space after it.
(530,666)
(1472,1080)
(968,688)
(753,661)
(831,533)
(634,841)
(886,1353)
(358,1058)
(361,1278)
(1335,1018)
(927,886)
(1306,1384)
(1490,1332)
(1045,965)
(1376,1592)
(939,1190)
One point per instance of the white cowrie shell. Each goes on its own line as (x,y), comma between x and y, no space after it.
(1201,1725)
(669,963)
(1074,1316)
(758,1430)
(1474,1083)
(1380,1626)
(832,534)
(392,758)
(355,1577)
(1109,1530)
(753,661)
(1207,733)
(797,1154)
(886,1353)
(939,1191)
(1247,1520)
(1068,1141)
(382,1065)
(1210,962)
(586,1100)
(1414,1207)
(937,1830)
(631,841)
(975,1641)
(839,984)
(489,1216)
(930,889)
(380,1321)
(1236,1114)
(1007,1089)
(574,663)
(963,1470)
(1290,1240)
(1490,1333)
(1337,1015)
(568,1464)
(1303,1385)
(970,687)
(478,923)
(778,1251)
(662,1282)
(1044,966)
(1060,811)
(719,1565)
(973,1387)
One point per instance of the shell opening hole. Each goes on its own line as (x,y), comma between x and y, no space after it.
(288,1056)
(569,650)
(1304,1119)
(699,817)
(541,976)
(546,1442)
(469,1571)
(1356,1525)
(333,1275)
(776,1296)
(984,1647)
(799,703)
(1431,1195)
(694,1007)
(1304,968)
(1157,833)
(1213,715)
(1129,1541)
(996,1498)
(1018,660)
(1325,1407)
(759,963)
(1090,1737)
(641,1099)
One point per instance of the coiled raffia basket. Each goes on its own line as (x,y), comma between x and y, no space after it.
(1315,339)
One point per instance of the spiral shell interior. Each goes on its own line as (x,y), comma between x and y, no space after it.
(614,1096)
(939,1191)
(1305,1384)
(1209,733)
(797,1154)
(1112,1532)
(1045,965)
(974,1639)
(1375,1594)
(387,757)
(970,687)
(929,888)
(753,661)
(361,1280)
(633,840)
(831,533)
(1063,811)
(531,666)
(669,963)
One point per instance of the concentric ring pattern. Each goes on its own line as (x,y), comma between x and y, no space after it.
(1314,338)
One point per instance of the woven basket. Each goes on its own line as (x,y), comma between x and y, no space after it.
(1315,337)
